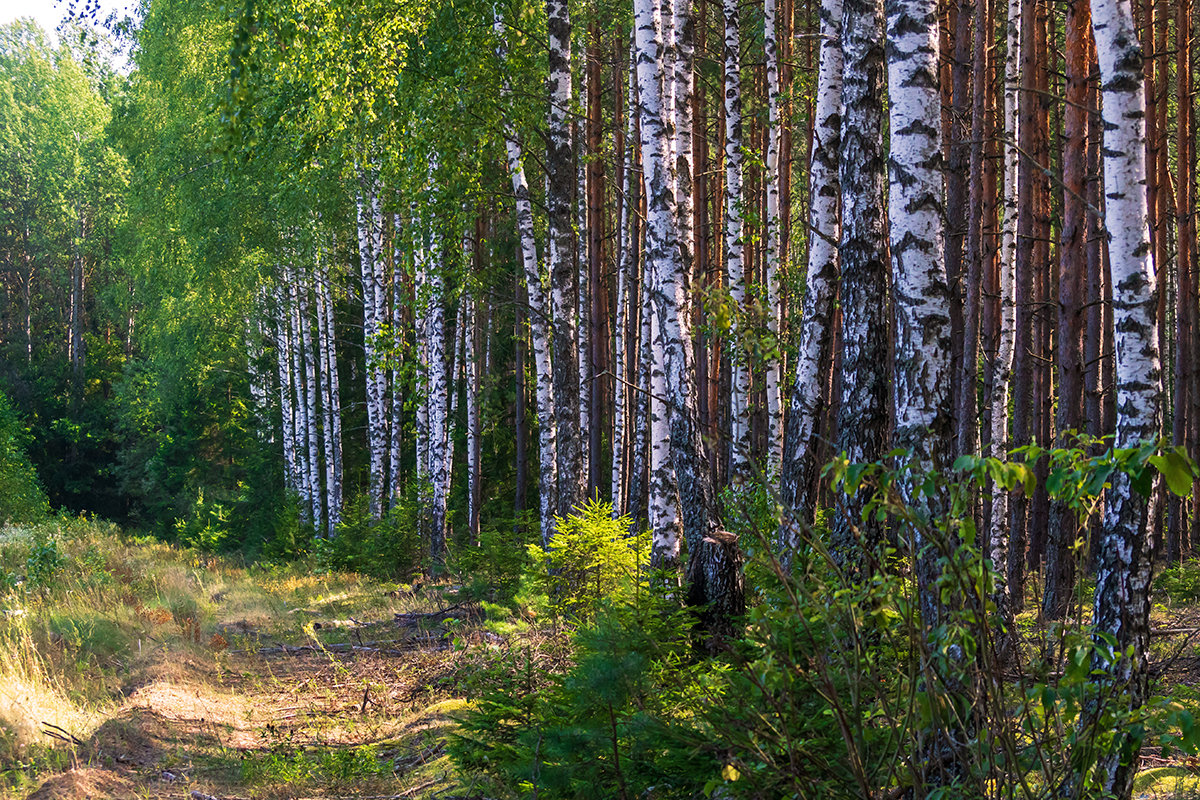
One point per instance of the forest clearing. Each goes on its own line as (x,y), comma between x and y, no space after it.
(579,399)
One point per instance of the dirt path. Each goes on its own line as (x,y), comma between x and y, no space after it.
(278,722)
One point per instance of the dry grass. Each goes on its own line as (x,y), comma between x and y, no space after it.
(164,671)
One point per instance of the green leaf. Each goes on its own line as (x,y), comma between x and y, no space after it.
(1176,470)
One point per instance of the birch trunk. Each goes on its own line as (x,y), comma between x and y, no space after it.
(735,265)
(583,307)
(370,246)
(773,245)
(1003,363)
(287,406)
(397,420)
(421,334)
(312,431)
(560,185)
(922,395)
(472,377)
(662,503)
(815,350)
(330,407)
(640,456)
(862,412)
(714,569)
(299,389)
(1124,559)
(538,317)
(437,400)
(626,255)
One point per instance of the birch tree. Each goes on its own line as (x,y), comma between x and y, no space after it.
(1121,607)
(538,313)
(735,270)
(815,349)
(1003,363)
(773,244)
(370,249)
(560,196)
(713,569)
(922,395)
(330,401)
(862,414)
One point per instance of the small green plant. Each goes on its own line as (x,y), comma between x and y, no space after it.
(592,557)
(206,527)
(45,561)
(389,548)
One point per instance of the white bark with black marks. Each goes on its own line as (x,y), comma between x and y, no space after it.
(862,413)
(815,350)
(538,315)
(922,398)
(370,251)
(735,268)
(1003,364)
(773,244)
(1123,561)
(564,278)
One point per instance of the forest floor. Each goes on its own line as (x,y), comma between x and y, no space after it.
(143,671)
(132,669)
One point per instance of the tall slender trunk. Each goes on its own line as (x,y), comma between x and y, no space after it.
(1060,555)
(966,408)
(330,403)
(773,242)
(302,420)
(395,476)
(1185,317)
(624,354)
(808,402)
(287,404)
(438,402)
(312,434)
(1123,561)
(714,569)
(560,197)
(595,378)
(735,268)
(1023,368)
(471,398)
(370,249)
(862,413)
(538,317)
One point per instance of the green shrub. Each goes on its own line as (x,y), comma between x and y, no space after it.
(389,549)
(206,527)
(44,562)
(592,557)
(619,723)
(21,495)
(493,570)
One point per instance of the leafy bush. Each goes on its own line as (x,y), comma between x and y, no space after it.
(492,571)
(836,687)
(21,495)
(389,548)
